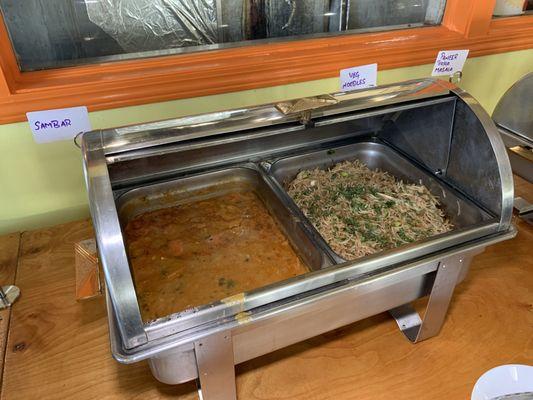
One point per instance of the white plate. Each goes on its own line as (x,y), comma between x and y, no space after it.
(503,380)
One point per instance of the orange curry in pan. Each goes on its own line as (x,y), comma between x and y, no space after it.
(196,253)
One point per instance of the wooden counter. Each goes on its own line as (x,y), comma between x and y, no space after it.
(59,349)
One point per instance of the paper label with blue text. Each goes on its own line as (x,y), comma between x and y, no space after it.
(61,124)
(449,62)
(364,76)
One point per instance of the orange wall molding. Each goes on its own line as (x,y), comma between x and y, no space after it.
(467,24)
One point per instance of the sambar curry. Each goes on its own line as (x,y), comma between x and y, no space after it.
(196,253)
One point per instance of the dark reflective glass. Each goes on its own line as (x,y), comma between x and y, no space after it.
(55,33)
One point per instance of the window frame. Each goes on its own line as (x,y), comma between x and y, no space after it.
(467,24)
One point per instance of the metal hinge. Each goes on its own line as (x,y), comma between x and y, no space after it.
(8,295)
(305,106)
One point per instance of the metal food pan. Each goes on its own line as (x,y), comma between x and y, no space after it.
(216,183)
(467,218)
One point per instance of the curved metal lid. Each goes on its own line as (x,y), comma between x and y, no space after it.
(124,139)
(514,111)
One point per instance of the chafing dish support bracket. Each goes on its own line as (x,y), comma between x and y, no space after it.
(409,321)
(216,367)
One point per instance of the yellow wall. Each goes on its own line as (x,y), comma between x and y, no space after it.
(43,184)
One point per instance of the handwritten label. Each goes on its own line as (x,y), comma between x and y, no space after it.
(361,77)
(61,124)
(448,62)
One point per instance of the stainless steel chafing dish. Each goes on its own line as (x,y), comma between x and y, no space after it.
(514,118)
(422,131)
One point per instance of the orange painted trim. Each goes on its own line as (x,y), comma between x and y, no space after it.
(4,87)
(8,63)
(471,18)
(510,23)
(135,82)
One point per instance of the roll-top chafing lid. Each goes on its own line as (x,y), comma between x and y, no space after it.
(137,137)
(514,111)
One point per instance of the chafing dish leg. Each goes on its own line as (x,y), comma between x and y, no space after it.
(417,329)
(216,367)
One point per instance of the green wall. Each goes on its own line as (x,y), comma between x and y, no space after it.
(42,184)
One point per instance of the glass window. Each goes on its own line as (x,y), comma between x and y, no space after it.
(508,8)
(54,33)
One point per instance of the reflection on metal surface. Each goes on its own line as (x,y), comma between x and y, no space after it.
(524,208)
(521,165)
(516,396)
(514,116)
(88,280)
(214,124)
(490,145)
(524,152)
(305,104)
(193,122)
(514,111)
(8,295)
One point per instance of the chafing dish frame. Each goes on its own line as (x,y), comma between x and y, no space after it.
(513,116)
(207,349)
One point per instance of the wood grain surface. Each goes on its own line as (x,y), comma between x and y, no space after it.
(9,250)
(59,349)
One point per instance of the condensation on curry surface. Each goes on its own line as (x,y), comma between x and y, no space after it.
(196,253)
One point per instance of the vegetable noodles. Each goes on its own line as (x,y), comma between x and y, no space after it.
(359,211)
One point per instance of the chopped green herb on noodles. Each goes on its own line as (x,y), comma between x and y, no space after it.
(360,211)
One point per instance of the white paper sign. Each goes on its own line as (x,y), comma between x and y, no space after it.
(61,124)
(449,62)
(361,77)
